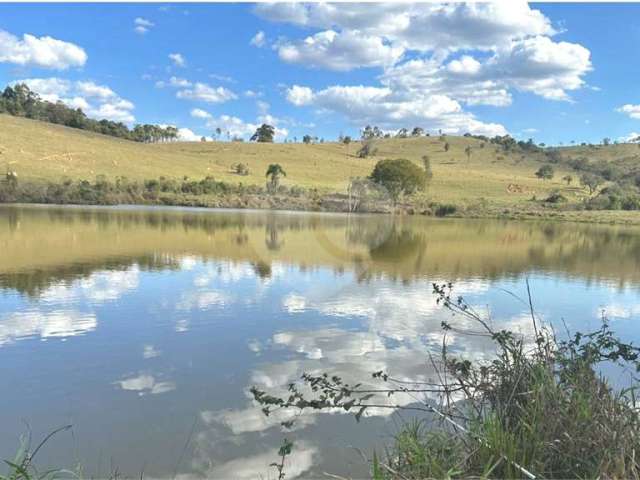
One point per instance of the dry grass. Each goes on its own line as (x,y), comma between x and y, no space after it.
(45,152)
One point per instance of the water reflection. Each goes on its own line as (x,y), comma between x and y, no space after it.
(171,315)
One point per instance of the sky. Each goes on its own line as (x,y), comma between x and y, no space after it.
(557,73)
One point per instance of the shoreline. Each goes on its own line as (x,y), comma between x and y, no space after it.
(599,217)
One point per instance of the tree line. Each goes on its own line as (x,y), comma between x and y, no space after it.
(21,101)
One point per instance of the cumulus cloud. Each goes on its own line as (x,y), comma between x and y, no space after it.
(259,39)
(629,109)
(178,59)
(457,54)
(421,26)
(142,25)
(45,52)
(340,51)
(388,109)
(234,127)
(96,101)
(199,113)
(206,93)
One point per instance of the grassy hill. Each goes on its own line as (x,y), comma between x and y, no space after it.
(491,180)
(46,152)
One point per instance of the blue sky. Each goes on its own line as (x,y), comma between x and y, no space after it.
(554,72)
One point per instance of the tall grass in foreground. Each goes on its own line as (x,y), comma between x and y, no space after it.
(535,410)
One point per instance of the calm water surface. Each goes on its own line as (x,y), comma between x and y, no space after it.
(144,328)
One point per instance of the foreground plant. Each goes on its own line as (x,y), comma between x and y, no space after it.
(22,467)
(537,409)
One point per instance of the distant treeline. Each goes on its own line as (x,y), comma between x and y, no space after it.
(21,101)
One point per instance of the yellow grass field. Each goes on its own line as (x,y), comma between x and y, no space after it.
(45,152)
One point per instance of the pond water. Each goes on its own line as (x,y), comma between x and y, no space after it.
(145,327)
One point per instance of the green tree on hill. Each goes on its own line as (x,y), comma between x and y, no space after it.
(399,177)
(274,171)
(264,134)
(591,181)
(568,179)
(545,172)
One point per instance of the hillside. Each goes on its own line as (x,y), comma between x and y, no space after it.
(40,151)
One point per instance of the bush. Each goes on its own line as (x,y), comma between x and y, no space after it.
(555,197)
(444,209)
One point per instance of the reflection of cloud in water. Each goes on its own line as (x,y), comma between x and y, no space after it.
(149,351)
(145,384)
(202,300)
(252,466)
(617,310)
(99,287)
(252,419)
(402,324)
(59,323)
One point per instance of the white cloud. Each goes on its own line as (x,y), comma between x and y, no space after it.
(382,106)
(633,137)
(45,52)
(340,51)
(142,25)
(259,39)
(179,82)
(632,110)
(501,46)
(300,96)
(236,127)
(422,26)
(199,113)
(177,59)
(206,93)
(97,101)
(252,94)
(90,89)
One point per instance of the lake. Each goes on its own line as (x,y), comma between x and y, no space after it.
(144,328)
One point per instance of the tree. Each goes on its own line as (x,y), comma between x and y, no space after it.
(346,140)
(264,134)
(591,181)
(417,132)
(399,177)
(568,179)
(307,139)
(402,133)
(446,146)
(545,172)
(467,151)
(218,133)
(274,171)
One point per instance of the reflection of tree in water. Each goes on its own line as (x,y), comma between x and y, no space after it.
(34,283)
(272,241)
(369,231)
(398,246)
(262,269)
